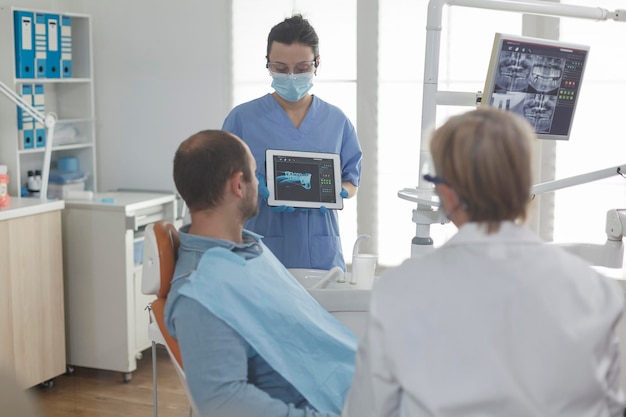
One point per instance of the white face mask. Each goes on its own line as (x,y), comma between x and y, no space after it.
(292,87)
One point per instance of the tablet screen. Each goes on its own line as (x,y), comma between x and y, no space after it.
(303,179)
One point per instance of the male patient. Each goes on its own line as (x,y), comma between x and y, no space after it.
(253,341)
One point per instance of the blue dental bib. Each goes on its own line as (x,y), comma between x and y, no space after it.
(267,306)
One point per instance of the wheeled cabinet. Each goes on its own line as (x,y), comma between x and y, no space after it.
(106,320)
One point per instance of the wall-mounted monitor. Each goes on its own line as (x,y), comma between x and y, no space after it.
(538,79)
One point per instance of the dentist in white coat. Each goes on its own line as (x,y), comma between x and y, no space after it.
(494,322)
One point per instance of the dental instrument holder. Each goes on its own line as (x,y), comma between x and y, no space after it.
(426,212)
(48,120)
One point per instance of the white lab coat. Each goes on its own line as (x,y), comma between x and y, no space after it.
(490,325)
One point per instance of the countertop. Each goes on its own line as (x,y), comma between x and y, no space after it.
(27,206)
(122,201)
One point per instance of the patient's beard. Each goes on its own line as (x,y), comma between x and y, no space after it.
(249,206)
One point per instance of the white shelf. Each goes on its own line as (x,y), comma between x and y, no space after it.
(57,148)
(71,121)
(71,99)
(51,80)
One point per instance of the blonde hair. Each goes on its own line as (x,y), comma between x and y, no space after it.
(485,156)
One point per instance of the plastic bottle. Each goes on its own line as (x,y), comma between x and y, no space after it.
(4,187)
(38,179)
(30,183)
(34,182)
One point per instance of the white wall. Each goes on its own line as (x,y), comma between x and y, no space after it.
(162,73)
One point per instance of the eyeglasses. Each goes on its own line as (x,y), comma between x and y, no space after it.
(298,68)
(428,173)
(434,179)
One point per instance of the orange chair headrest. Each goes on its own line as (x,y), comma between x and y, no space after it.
(167,243)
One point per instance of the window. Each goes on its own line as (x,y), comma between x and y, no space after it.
(462,67)
(597,140)
(399,57)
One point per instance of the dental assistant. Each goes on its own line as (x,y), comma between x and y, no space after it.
(292,119)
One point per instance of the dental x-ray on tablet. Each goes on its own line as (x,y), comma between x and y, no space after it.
(303,179)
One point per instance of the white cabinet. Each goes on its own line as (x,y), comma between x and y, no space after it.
(106,320)
(71,99)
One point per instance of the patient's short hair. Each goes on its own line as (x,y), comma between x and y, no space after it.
(485,156)
(203,164)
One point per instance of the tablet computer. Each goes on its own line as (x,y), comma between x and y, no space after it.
(303,179)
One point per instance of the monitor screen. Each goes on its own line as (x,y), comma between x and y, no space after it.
(538,79)
(303,179)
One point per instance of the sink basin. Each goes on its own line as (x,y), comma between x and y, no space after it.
(348,303)
(309,277)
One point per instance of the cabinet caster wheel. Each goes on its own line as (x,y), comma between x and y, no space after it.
(127,377)
(47,384)
(69,370)
(138,356)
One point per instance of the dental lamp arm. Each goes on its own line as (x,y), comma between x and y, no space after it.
(615,218)
(48,120)
(542,8)
(611,253)
(578,179)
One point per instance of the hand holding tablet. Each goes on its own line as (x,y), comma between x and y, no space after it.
(303,179)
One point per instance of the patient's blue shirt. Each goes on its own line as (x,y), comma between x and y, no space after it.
(227,370)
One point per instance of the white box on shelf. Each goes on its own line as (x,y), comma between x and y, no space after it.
(60,190)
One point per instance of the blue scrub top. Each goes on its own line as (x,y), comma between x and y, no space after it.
(304,238)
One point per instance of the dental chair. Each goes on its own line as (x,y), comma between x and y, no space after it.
(160,251)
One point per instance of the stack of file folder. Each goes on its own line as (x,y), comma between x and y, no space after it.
(31,134)
(43,45)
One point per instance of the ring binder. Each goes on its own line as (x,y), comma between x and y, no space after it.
(39,103)
(24,44)
(41,45)
(25,122)
(66,47)
(53,50)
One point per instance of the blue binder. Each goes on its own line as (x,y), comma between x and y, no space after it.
(66,47)
(39,103)
(41,45)
(53,50)
(25,122)
(24,44)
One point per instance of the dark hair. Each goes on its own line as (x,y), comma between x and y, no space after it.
(203,164)
(294,29)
